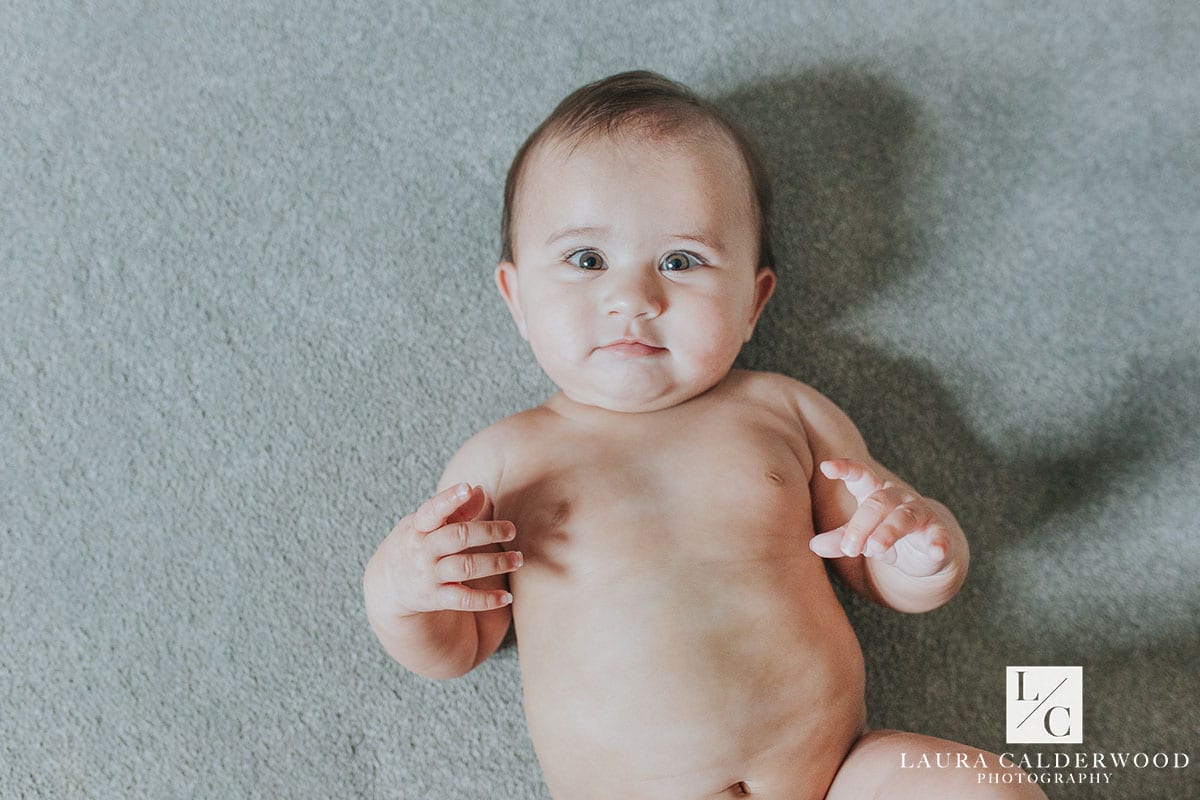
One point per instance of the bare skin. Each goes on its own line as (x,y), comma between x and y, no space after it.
(656,530)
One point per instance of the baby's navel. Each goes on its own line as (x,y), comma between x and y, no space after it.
(775,478)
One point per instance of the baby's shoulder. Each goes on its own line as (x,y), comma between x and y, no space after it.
(781,392)
(491,442)
(823,421)
(488,447)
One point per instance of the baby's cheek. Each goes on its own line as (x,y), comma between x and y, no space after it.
(556,335)
(715,352)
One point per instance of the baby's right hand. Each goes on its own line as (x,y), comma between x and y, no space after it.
(425,562)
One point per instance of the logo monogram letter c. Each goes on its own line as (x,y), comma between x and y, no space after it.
(1046,720)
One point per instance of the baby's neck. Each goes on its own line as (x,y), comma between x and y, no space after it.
(565,406)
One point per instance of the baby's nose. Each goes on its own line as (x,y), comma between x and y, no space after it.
(638,296)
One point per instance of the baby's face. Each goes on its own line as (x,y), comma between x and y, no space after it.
(642,241)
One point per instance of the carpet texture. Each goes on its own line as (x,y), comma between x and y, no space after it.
(247,316)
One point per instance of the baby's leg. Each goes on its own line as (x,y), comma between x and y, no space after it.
(893,764)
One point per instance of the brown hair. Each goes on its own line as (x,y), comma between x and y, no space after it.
(647,104)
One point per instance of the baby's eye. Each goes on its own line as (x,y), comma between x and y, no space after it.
(590,259)
(680,261)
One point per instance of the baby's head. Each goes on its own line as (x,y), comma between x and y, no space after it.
(636,211)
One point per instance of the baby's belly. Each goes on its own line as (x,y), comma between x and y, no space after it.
(681,679)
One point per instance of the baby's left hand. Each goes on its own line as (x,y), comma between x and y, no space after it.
(892,523)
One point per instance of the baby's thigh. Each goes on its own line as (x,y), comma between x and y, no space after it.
(893,764)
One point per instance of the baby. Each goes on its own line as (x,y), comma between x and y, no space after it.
(650,529)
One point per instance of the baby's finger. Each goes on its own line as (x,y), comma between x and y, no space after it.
(458,536)
(860,479)
(476,500)
(872,511)
(468,566)
(922,553)
(433,512)
(828,544)
(903,520)
(456,597)
(934,542)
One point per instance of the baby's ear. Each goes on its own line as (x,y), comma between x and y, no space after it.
(509,285)
(764,287)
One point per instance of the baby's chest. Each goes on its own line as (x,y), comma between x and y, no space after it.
(698,488)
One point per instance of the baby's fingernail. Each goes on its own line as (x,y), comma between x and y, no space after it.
(506,599)
(874,548)
(848,548)
(462,491)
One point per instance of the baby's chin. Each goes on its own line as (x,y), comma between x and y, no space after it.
(626,399)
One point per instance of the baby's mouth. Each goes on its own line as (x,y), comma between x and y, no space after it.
(632,348)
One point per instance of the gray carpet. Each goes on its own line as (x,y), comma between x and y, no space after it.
(247,315)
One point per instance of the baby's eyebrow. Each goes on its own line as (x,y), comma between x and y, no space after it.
(710,242)
(566,233)
(592,230)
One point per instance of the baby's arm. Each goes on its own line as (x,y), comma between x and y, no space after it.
(889,543)
(422,603)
